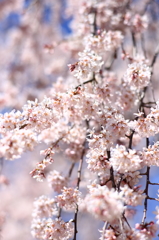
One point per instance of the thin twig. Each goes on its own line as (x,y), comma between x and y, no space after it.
(130,138)
(146,188)
(155,56)
(104,228)
(111,172)
(120,180)
(146,192)
(112,61)
(153,183)
(78,184)
(95,22)
(69,175)
(126,221)
(23,126)
(156,199)
(75,223)
(134,43)
(88,81)
(59,212)
(71,169)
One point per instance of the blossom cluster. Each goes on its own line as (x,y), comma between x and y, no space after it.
(51,229)
(101,201)
(124,161)
(138,75)
(148,126)
(90,115)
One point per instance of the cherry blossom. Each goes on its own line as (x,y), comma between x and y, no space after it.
(125,161)
(138,75)
(100,202)
(80,109)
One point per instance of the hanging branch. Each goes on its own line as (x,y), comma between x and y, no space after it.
(111,172)
(155,57)
(69,175)
(134,43)
(78,184)
(71,169)
(94,10)
(146,188)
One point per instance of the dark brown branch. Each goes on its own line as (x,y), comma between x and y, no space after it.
(153,183)
(105,183)
(88,81)
(111,172)
(54,145)
(23,126)
(130,139)
(95,22)
(143,174)
(71,169)
(149,103)
(134,42)
(146,188)
(59,212)
(78,184)
(80,166)
(146,192)
(112,61)
(120,180)
(156,199)
(142,99)
(69,175)
(75,223)
(145,202)
(126,221)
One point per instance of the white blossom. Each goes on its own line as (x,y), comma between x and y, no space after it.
(44,207)
(51,229)
(124,161)
(89,62)
(100,203)
(133,197)
(56,181)
(69,199)
(138,75)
